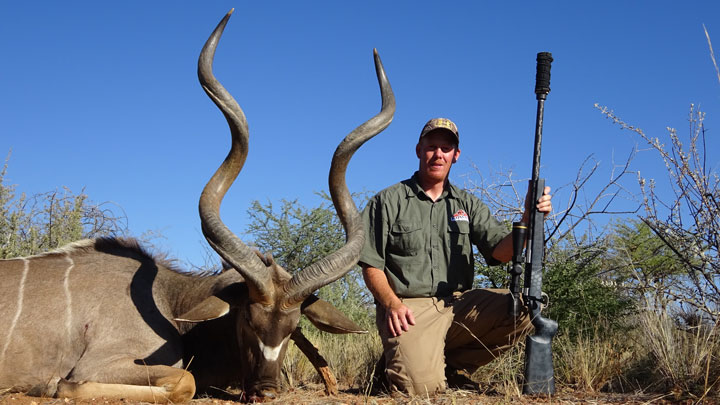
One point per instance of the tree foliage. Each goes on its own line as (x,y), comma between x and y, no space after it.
(584,288)
(45,221)
(648,266)
(298,236)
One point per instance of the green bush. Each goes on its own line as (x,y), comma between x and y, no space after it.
(45,221)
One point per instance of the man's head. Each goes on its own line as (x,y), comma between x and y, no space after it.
(437,149)
(441,124)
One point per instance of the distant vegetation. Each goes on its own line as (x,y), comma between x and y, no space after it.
(45,221)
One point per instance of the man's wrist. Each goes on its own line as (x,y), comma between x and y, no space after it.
(393,302)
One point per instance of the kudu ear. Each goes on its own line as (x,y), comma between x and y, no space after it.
(210,308)
(217,305)
(327,318)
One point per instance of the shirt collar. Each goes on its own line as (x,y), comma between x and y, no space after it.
(414,189)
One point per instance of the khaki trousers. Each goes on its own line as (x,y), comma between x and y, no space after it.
(464,331)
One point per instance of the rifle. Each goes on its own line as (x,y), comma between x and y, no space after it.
(539,375)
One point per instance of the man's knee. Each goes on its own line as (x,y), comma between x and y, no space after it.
(415,372)
(415,362)
(417,383)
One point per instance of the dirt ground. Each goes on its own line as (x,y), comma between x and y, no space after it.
(318,397)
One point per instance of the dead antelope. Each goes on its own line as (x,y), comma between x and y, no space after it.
(102,318)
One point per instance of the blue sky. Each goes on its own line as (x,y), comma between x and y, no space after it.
(103,96)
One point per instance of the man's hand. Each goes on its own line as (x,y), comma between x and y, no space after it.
(544,204)
(504,249)
(399,318)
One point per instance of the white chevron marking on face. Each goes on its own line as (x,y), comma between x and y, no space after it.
(271,353)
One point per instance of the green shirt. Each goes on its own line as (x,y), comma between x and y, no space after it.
(425,247)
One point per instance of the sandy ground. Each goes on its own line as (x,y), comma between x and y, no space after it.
(318,397)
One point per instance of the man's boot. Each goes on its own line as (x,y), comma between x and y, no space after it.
(460,380)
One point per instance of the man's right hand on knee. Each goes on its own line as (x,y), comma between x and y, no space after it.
(399,318)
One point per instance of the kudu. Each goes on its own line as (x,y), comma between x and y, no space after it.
(102,318)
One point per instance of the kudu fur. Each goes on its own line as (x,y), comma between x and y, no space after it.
(103,318)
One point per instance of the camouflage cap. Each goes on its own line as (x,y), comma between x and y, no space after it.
(441,123)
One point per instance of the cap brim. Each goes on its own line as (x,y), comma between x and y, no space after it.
(449,131)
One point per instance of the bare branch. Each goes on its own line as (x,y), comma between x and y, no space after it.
(687,222)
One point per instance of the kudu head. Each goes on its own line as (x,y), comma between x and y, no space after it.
(269,311)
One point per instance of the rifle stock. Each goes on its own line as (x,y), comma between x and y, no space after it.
(539,372)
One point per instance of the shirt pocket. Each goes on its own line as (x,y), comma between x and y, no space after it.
(406,238)
(459,237)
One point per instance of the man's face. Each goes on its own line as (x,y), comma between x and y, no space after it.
(437,152)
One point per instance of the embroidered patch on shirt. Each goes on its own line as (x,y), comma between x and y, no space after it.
(460,215)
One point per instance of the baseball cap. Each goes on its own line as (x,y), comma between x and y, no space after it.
(441,123)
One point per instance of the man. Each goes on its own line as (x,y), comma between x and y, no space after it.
(418,263)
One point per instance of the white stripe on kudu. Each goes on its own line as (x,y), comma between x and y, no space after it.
(18,311)
(68,296)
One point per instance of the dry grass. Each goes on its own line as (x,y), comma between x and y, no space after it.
(687,359)
(656,357)
(591,361)
(351,358)
(502,376)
